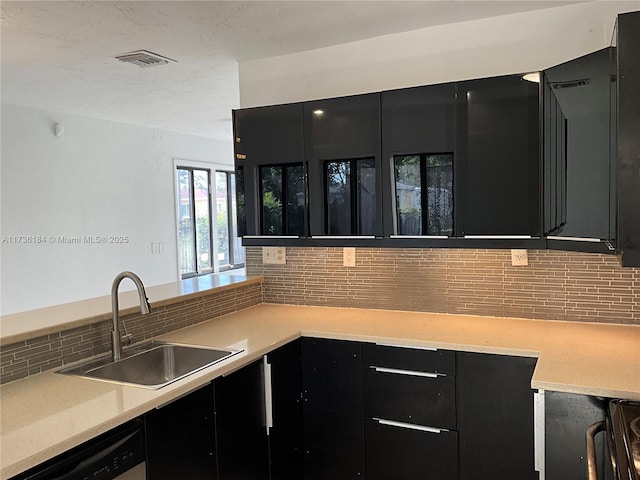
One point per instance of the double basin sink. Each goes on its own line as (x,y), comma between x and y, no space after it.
(152,365)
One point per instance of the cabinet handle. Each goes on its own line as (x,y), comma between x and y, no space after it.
(592,467)
(426,237)
(412,373)
(539,434)
(500,237)
(268,396)
(575,239)
(274,237)
(413,347)
(343,237)
(410,426)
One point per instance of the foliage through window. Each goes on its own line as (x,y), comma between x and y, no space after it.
(424,194)
(283,199)
(350,196)
(204,245)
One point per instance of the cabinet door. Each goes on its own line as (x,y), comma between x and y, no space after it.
(418,123)
(409,452)
(270,136)
(629,138)
(567,418)
(577,124)
(495,417)
(180,438)
(333,410)
(286,434)
(498,162)
(342,146)
(240,425)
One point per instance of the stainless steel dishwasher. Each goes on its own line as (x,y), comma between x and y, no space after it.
(117,454)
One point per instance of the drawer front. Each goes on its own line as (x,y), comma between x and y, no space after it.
(416,359)
(406,452)
(410,397)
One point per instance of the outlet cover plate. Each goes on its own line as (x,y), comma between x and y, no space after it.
(274,255)
(519,257)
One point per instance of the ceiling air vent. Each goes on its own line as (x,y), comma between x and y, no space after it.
(144,58)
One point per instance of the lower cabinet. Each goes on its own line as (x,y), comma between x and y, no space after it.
(333,410)
(285,432)
(180,438)
(410,409)
(242,442)
(567,418)
(319,409)
(495,417)
(409,452)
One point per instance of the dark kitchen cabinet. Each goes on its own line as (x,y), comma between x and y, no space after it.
(342,148)
(580,168)
(285,432)
(410,410)
(628,145)
(181,439)
(495,417)
(418,152)
(333,410)
(409,453)
(271,173)
(497,158)
(567,418)
(242,442)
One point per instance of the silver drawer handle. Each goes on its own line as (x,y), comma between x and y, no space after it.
(592,431)
(410,426)
(412,373)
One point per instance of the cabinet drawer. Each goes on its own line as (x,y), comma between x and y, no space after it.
(407,452)
(415,359)
(410,397)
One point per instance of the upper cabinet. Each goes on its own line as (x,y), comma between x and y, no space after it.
(418,152)
(342,148)
(515,161)
(498,160)
(628,146)
(271,173)
(579,156)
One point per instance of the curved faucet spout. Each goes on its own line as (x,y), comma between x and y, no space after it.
(145,308)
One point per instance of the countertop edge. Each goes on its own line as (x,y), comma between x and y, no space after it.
(156,298)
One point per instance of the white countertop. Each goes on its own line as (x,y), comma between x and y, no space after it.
(46,414)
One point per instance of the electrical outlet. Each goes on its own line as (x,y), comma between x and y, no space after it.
(519,257)
(274,255)
(349,257)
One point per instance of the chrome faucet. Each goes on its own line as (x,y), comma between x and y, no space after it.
(145,308)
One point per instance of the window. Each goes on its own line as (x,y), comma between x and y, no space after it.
(417,213)
(206,245)
(283,199)
(350,199)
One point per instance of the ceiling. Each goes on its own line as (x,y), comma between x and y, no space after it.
(59,55)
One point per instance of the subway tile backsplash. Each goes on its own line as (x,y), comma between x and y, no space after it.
(21,359)
(555,285)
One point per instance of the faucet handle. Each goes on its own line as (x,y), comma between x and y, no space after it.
(127,339)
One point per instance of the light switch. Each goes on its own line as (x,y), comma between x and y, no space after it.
(349,257)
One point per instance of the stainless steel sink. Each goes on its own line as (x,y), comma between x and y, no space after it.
(152,365)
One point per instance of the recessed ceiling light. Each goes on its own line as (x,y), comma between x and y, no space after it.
(144,58)
(318,112)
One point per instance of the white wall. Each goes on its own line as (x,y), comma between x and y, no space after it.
(99,178)
(502,45)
